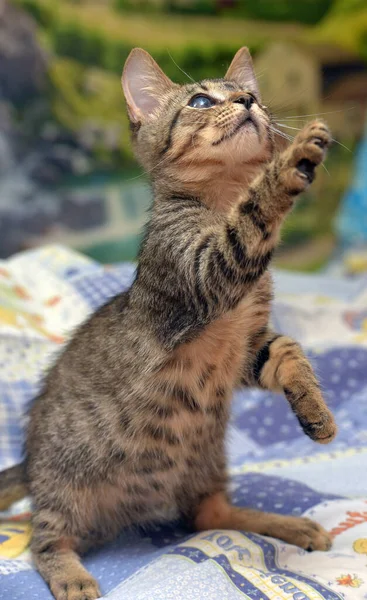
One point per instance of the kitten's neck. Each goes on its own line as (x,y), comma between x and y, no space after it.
(222,192)
(218,187)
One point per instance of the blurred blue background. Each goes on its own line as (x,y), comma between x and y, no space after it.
(67,173)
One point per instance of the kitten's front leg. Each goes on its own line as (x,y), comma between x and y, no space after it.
(273,193)
(254,224)
(227,258)
(279,364)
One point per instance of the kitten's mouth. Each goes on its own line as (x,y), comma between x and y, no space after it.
(246,122)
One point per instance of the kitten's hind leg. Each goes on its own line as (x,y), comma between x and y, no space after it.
(281,365)
(215,512)
(55,555)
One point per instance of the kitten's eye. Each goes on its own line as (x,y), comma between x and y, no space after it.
(201,102)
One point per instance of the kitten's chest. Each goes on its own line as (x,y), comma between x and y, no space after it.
(212,364)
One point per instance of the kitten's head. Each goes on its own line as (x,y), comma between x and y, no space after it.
(193,131)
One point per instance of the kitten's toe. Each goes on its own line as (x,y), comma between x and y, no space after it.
(316,133)
(323,430)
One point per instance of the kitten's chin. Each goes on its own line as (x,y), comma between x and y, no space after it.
(246,146)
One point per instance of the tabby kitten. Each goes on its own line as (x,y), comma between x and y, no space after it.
(129,427)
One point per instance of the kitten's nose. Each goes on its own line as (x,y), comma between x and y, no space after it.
(246,100)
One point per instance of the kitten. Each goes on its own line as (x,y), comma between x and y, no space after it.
(129,427)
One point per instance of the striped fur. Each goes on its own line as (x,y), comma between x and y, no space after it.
(129,427)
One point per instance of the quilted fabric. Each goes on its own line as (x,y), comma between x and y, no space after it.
(45,293)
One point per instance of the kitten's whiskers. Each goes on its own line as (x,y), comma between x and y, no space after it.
(331,112)
(300,129)
(149,171)
(281,133)
(182,71)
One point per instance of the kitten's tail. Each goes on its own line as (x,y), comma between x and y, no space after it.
(12,486)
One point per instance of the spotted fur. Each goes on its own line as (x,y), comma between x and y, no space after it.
(129,428)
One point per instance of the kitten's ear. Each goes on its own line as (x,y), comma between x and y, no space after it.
(242,71)
(144,84)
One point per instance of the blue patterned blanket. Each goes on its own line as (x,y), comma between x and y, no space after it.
(45,293)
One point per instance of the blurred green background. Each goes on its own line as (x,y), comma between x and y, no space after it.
(67,173)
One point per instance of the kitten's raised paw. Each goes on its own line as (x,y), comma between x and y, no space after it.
(323,430)
(306,152)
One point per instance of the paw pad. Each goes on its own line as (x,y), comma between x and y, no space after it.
(307,168)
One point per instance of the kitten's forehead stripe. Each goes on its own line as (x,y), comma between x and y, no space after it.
(212,86)
(231,86)
(192,88)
